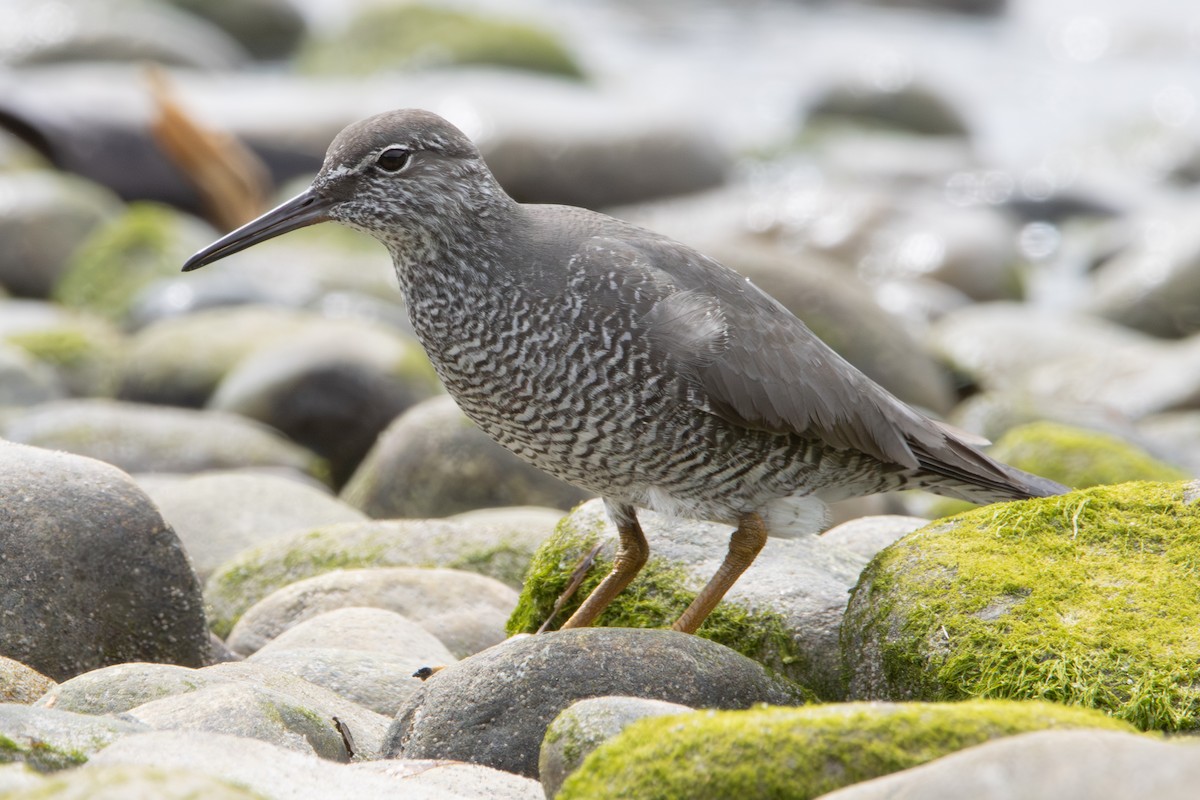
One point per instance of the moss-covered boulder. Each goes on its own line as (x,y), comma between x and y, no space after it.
(1087,599)
(48,739)
(415,35)
(784,612)
(498,550)
(798,753)
(111,266)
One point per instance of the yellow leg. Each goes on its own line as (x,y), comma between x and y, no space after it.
(744,545)
(632,552)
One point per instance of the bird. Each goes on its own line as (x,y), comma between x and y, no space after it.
(622,361)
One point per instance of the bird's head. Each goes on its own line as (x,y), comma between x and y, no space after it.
(400,176)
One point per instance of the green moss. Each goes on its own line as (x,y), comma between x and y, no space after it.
(119,259)
(798,752)
(1086,599)
(62,347)
(655,599)
(415,35)
(41,756)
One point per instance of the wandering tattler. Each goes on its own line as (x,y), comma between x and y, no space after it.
(622,361)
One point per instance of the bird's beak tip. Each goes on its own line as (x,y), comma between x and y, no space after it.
(306,208)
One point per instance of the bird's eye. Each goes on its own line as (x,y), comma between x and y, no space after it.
(393,159)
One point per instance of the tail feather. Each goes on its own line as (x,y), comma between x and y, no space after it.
(976,477)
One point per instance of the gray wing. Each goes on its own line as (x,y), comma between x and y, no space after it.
(750,361)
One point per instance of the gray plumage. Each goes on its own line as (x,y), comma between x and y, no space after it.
(617,359)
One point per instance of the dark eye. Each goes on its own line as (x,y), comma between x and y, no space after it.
(393,159)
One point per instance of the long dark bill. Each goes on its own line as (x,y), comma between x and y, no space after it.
(306,208)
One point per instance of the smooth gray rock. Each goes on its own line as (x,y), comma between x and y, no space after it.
(464,610)
(433,462)
(866,536)
(252,712)
(379,681)
(20,683)
(131,782)
(913,108)
(584,726)
(1047,765)
(51,214)
(499,543)
(47,739)
(218,515)
(144,438)
(363,628)
(91,574)
(120,687)
(267,29)
(24,381)
(493,708)
(332,387)
(277,773)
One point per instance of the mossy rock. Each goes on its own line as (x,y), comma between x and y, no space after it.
(123,781)
(1075,457)
(499,552)
(783,612)
(1086,599)
(416,35)
(800,753)
(48,740)
(111,266)
(81,349)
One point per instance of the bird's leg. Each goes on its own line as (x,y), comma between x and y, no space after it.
(744,544)
(632,552)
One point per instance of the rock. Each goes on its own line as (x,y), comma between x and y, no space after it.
(116,689)
(493,708)
(17,778)
(362,628)
(1047,765)
(143,438)
(267,29)
(332,387)
(148,241)
(91,573)
(433,462)
(116,31)
(276,773)
(214,339)
(21,684)
(133,783)
(785,611)
(1174,436)
(910,107)
(1153,284)
(801,752)
(44,216)
(584,726)
(252,712)
(422,35)
(217,515)
(1075,597)
(81,350)
(866,536)
(992,414)
(464,610)
(1008,347)
(500,550)
(378,681)
(49,740)
(24,381)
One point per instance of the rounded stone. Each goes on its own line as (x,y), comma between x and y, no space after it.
(498,543)
(21,684)
(584,726)
(464,610)
(91,574)
(1077,597)
(145,438)
(433,462)
(494,708)
(134,783)
(363,628)
(48,739)
(217,515)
